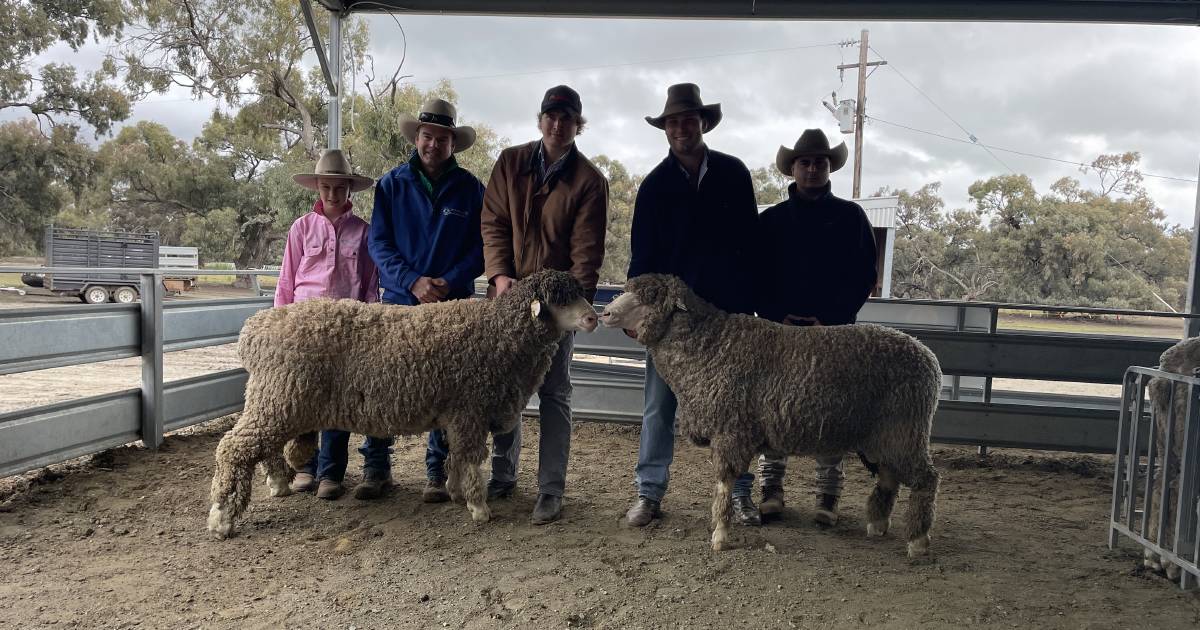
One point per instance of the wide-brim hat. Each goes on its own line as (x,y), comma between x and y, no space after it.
(438,113)
(811,142)
(334,164)
(685,97)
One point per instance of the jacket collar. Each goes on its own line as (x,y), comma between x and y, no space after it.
(529,155)
(826,193)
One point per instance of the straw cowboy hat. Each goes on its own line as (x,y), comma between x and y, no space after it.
(438,113)
(333,164)
(811,142)
(685,97)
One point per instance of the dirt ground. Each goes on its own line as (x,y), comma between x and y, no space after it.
(118,541)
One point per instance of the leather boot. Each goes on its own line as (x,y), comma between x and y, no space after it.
(745,512)
(827,510)
(643,511)
(771,505)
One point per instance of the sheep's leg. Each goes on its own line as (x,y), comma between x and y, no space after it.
(468,449)
(923,482)
(300,450)
(237,453)
(728,464)
(881,502)
(278,474)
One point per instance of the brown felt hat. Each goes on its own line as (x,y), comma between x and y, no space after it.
(811,142)
(438,113)
(685,97)
(333,164)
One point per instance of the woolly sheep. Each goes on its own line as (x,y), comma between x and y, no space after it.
(747,385)
(466,366)
(1181,358)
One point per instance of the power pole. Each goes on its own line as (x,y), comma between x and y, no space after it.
(860,107)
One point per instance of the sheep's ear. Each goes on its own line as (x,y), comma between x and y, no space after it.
(535,308)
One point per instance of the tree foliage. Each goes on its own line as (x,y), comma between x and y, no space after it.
(55,90)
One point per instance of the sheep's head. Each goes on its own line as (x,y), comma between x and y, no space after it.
(648,303)
(554,297)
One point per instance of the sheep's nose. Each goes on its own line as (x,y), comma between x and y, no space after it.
(589,321)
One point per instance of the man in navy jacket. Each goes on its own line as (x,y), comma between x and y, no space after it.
(694,218)
(425,236)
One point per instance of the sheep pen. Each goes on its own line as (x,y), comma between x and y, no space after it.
(823,391)
(466,366)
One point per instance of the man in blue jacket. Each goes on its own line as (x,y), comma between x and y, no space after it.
(426,242)
(694,218)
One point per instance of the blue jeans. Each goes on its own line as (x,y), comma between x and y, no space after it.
(436,453)
(657,448)
(330,461)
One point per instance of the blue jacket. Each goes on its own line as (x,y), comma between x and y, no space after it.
(703,236)
(413,236)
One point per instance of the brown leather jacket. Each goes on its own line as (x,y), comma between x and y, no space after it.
(559,225)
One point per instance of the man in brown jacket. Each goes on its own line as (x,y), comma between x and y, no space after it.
(545,207)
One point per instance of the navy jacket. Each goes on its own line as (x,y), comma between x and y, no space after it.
(816,259)
(413,236)
(703,236)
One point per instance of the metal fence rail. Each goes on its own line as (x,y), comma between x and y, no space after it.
(963,335)
(1156,482)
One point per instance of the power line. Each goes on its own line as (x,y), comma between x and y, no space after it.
(634,63)
(974,139)
(1024,153)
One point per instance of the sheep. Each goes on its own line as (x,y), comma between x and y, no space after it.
(466,366)
(1181,358)
(747,385)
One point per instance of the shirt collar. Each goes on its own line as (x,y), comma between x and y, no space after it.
(826,192)
(319,208)
(538,162)
(686,174)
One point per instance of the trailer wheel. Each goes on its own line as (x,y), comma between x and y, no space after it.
(95,295)
(124,295)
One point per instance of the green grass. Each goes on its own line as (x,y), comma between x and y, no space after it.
(1126,326)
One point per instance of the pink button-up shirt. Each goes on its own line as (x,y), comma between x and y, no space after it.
(326,258)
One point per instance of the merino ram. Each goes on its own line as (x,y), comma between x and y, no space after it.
(467,366)
(747,385)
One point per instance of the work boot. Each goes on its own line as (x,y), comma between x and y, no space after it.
(435,491)
(771,505)
(547,509)
(303,482)
(827,512)
(643,511)
(330,490)
(745,512)
(372,487)
(500,489)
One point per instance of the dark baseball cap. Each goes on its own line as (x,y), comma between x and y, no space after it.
(561,97)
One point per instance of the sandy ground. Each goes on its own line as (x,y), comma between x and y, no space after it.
(118,541)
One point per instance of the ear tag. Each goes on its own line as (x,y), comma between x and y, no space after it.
(535,308)
(680,305)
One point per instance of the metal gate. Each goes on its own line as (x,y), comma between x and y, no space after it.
(1156,483)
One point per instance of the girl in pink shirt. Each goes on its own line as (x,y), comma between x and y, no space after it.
(326,256)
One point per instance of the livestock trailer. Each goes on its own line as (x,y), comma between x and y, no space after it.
(71,247)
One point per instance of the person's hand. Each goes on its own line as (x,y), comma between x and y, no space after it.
(632,334)
(799,320)
(428,290)
(502,284)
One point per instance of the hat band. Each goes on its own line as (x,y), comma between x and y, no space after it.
(436,119)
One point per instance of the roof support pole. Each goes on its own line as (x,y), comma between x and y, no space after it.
(1192,326)
(334,132)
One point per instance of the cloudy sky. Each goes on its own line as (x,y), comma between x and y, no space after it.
(1069,92)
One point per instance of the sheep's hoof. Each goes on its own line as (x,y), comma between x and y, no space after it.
(220,523)
(878,528)
(918,546)
(1150,561)
(278,487)
(456,496)
(481,513)
(721,542)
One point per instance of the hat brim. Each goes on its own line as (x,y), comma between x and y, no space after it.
(464,137)
(710,113)
(357,182)
(785,156)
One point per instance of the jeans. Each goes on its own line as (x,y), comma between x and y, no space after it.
(657,448)
(330,461)
(554,418)
(771,467)
(436,452)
